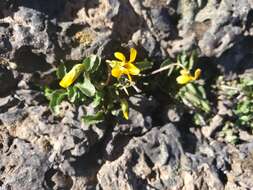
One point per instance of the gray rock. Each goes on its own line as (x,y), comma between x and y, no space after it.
(235,59)
(214,26)
(200,172)
(146,40)
(47,7)
(14,115)
(7,81)
(227,25)
(140,116)
(30,38)
(140,121)
(148,162)
(240,175)
(23,165)
(156,160)
(66,141)
(159,19)
(30,29)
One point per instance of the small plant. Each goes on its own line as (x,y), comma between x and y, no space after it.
(190,91)
(105,85)
(244,107)
(229,133)
(77,88)
(90,83)
(193,93)
(241,93)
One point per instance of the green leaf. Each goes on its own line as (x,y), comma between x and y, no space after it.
(93,119)
(205,106)
(144,65)
(247,81)
(245,118)
(183,59)
(92,63)
(98,99)
(192,98)
(190,87)
(201,91)
(56,98)
(199,119)
(192,60)
(244,107)
(72,93)
(87,88)
(165,63)
(61,71)
(48,93)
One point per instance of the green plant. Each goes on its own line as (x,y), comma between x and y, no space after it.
(104,85)
(189,91)
(90,83)
(240,92)
(194,97)
(193,93)
(79,87)
(229,133)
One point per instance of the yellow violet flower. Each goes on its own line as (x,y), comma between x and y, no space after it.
(122,66)
(186,76)
(72,75)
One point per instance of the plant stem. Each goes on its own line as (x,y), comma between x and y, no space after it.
(167,67)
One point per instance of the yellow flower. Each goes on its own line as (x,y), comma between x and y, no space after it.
(72,75)
(186,76)
(122,67)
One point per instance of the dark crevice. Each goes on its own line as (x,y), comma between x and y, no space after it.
(249,20)
(123,31)
(221,174)
(2,169)
(29,62)
(48,178)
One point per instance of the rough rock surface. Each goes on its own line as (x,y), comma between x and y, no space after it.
(40,151)
(150,161)
(23,165)
(140,115)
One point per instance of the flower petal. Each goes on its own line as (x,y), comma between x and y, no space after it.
(184,72)
(117,72)
(120,56)
(113,63)
(183,79)
(125,71)
(197,74)
(133,70)
(133,54)
(72,75)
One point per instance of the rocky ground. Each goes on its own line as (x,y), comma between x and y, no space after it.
(40,151)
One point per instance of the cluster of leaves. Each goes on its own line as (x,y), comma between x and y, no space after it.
(83,91)
(194,97)
(94,87)
(90,83)
(244,107)
(241,93)
(192,94)
(229,133)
